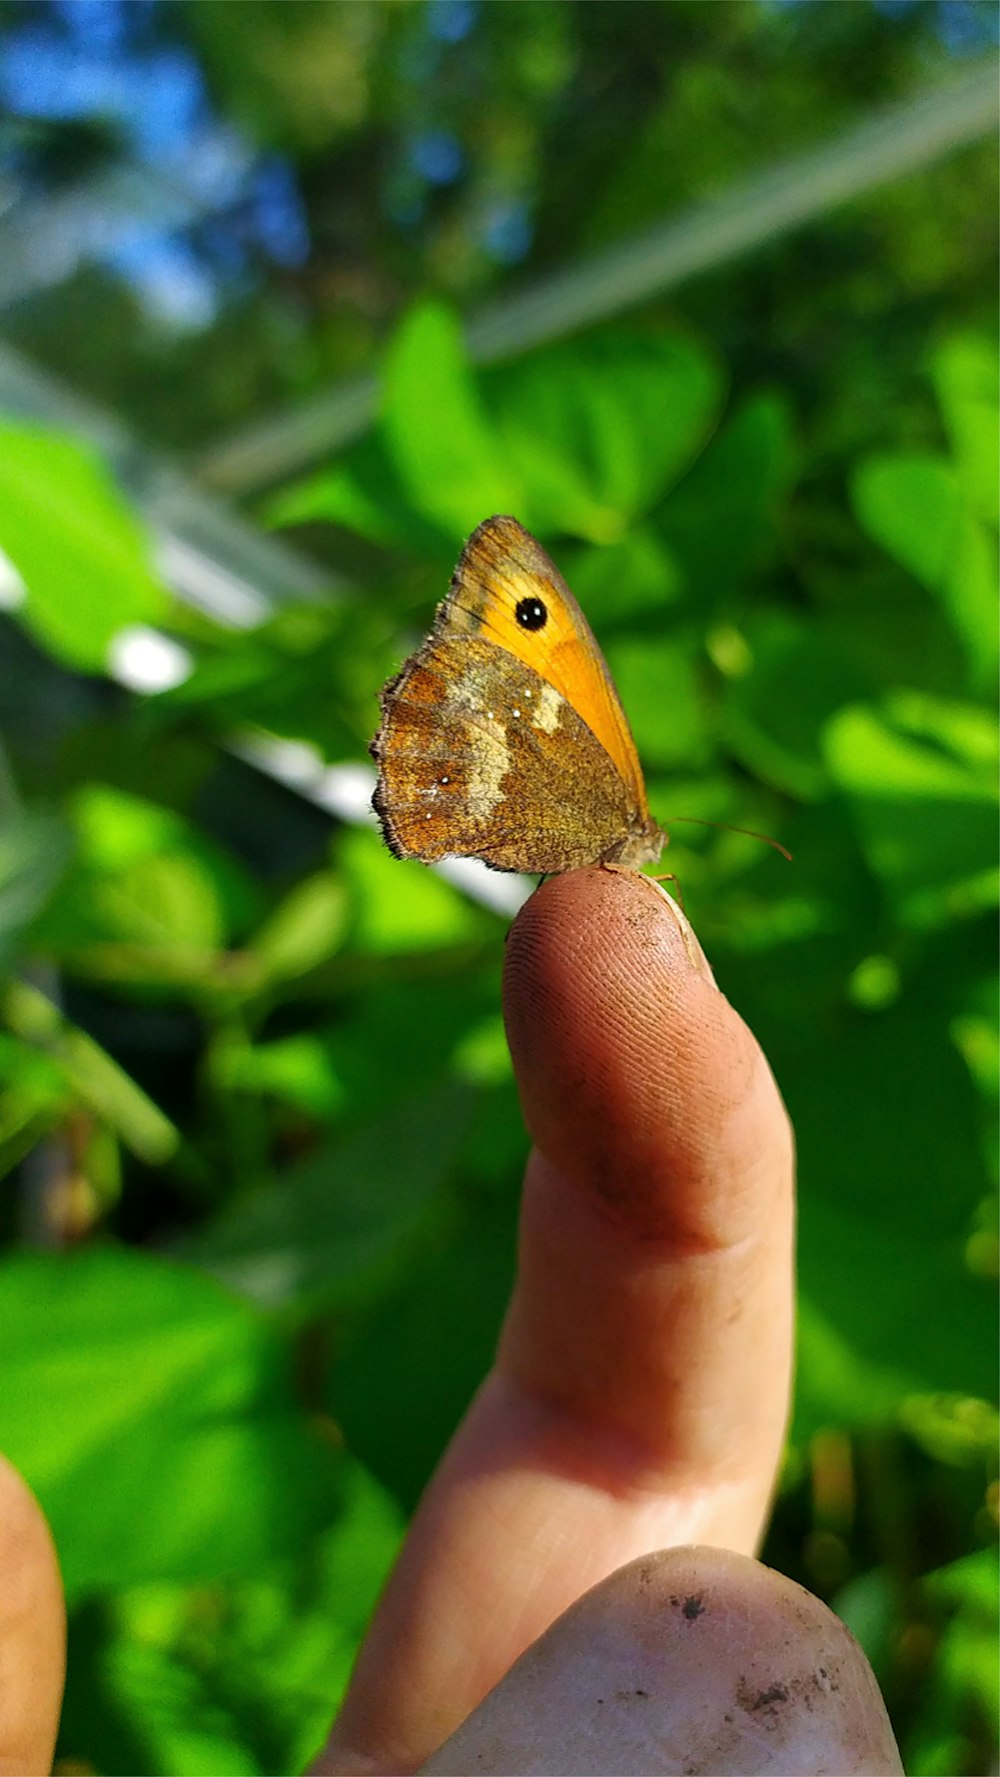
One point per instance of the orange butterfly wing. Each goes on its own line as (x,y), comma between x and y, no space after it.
(502,737)
(500,572)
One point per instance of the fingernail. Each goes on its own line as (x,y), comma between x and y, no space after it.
(696,955)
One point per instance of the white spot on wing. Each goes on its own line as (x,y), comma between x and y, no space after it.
(488,768)
(548,710)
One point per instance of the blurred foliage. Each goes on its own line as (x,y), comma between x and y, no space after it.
(257,1116)
(445,147)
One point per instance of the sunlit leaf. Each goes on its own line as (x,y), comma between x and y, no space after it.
(90,1075)
(619,583)
(83,556)
(658,682)
(920,777)
(597,430)
(965,373)
(303,931)
(401,906)
(152,898)
(364,491)
(160,1391)
(962,1686)
(296,1070)
(445,453)
(34,1096)
(236,1675)
(916,507)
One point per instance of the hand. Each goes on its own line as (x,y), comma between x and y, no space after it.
(637,1403)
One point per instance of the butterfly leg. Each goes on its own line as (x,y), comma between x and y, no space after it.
(676,891)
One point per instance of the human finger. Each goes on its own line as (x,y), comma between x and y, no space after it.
(32,1632)
(641,1386)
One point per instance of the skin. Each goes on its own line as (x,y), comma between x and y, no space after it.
(640,1392)
(32,1632)
(637,1404)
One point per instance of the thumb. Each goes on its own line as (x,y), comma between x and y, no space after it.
(692,1659)
(32,1632)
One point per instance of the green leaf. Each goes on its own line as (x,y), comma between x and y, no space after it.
(165,1401)
(34,850)
(34,1096)
(969,591)
(953,1428)
(721,518)
(81,553)
(307,676)
(916,509)
(597,429)
(635,577)
(296,1070)
(938,519)
(836,1384)
(331,1224)
(787,679)
(152,901)
(304,931)
(962,1688)
(889,1163)
(366,492)
(234,1676)
(867,1604)
(447,458)
(442,1319)
(920,778)
(912,505)
(972,1582)
(965,374)
(400,907)
(658,684)
(89,1074)
(166,902)
(405,1036)
(117,829)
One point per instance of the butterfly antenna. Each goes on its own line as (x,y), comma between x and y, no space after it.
(692,820)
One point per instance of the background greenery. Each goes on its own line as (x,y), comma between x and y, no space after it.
(261,1143)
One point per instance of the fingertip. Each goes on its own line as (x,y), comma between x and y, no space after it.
(630,1063)
(591,951)
(607,910)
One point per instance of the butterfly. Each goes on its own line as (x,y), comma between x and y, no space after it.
(502,737)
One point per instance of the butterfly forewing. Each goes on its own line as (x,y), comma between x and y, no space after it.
(502,572)
(502,737)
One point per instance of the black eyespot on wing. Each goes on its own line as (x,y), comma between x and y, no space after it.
(531,613)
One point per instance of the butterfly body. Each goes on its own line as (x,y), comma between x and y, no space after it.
(502,737)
